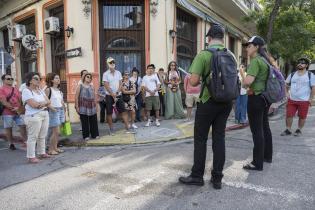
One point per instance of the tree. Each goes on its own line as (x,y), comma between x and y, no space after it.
(288,27)
(272,18)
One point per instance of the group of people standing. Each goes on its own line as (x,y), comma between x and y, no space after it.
(28,108)
(126,94)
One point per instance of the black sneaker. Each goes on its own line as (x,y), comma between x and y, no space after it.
(189,180)
(297,132)
(286,133)
(12,147)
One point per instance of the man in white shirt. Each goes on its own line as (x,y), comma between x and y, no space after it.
(112,81)
(301,85)
(151,85)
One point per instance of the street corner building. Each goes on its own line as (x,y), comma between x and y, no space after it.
(67,36)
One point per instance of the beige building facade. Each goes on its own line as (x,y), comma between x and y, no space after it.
(134,32)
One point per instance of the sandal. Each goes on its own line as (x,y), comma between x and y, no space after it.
(60,151)
(53,153)
(44,156)
(33,160)
(250,166)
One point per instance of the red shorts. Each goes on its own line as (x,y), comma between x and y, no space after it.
(298,106)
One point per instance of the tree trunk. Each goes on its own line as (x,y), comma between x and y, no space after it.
(272,18)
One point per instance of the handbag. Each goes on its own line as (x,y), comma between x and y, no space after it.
(126,98)
(66,129)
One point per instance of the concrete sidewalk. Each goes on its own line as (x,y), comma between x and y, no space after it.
(169,130)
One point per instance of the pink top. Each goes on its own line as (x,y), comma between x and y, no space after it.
(15,100)
(190,89)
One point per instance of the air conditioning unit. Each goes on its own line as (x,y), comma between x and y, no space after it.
(51,25)
(18,31)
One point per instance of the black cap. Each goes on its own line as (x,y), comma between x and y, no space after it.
(216,31)
(255,40)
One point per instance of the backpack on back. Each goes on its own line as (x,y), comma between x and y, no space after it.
(224,84)
(275,85)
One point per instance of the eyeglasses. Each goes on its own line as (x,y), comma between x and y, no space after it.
(36,78)
(9,79)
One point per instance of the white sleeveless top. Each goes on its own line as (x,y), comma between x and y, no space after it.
(56,98)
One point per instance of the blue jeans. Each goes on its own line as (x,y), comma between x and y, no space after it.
(241,108)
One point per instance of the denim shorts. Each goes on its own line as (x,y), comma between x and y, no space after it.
(9,119)
(56,118)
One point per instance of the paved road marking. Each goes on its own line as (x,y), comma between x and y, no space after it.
(261,189)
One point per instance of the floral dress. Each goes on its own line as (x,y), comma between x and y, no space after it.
(131,104)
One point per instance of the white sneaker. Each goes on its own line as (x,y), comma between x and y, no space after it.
(134,126)
(148,124)
(157,123)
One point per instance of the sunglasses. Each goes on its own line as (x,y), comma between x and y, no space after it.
(36,78)
(112,62)
(302,62)
(88,77)
(9,79)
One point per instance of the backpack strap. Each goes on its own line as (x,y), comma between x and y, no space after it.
(291,75)
(10,96)
(204,79)
(49,95)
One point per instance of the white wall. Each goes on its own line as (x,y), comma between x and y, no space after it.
(82,37)
(161,43)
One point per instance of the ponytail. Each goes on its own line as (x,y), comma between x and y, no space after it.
(262,51)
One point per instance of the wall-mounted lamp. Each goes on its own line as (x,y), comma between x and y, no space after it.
(173,33)
(154,4)
(69,31)
(87,7)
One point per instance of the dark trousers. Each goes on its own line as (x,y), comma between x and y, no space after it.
(162,102)
(209,114)
(102,112)
(139,106)
(89,126)
(259,125)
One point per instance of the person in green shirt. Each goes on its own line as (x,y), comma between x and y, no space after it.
(258,107)
(209,113)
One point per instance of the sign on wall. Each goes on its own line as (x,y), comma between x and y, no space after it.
(76,52)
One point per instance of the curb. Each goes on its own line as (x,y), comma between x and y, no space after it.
(81,143)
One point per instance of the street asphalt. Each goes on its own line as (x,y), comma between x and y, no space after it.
(146,176)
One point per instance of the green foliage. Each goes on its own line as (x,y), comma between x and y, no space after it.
(293,30)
